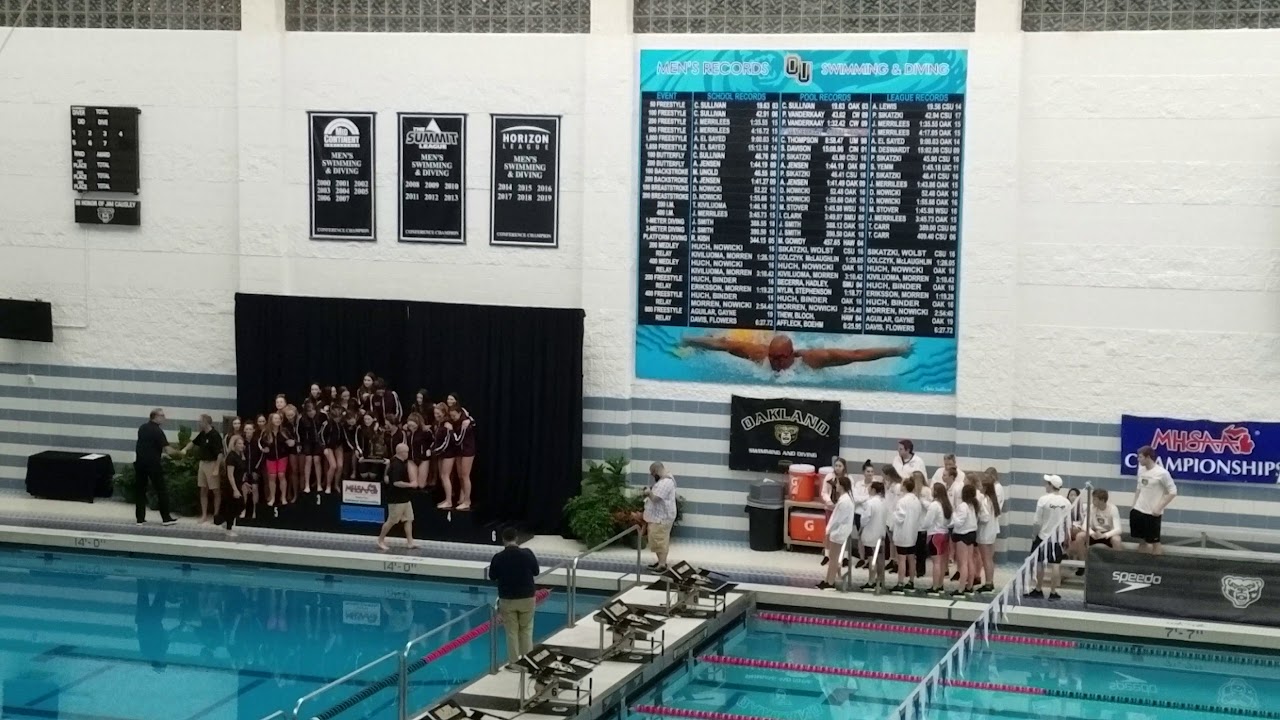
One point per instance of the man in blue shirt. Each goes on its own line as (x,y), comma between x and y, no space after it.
(513,570)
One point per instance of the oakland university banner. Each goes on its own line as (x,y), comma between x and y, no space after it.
(770,434)
(1187,586)
(1205,450)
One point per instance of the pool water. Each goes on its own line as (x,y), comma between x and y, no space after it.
(111,637)
(864,670)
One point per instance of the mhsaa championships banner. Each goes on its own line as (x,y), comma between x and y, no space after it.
(771,434)
(1206,450)
(1203,588)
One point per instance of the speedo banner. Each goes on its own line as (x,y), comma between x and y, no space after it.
(770,434)
(1241,452)
(1198,587)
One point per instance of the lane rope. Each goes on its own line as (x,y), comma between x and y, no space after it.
(989,687)
(788,618)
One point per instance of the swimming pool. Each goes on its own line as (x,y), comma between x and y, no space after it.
(811,668)
(113,637)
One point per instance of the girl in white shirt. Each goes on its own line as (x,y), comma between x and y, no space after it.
(860,494)
(988,531)
(1000,492)
(964,534)
(937,527)
(873,531)
(839,528)
(892,491)
(830,492)
(906,525)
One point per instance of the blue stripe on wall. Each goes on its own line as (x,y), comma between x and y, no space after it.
(100,373)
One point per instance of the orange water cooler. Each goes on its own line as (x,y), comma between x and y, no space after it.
(807,525)
(802,482)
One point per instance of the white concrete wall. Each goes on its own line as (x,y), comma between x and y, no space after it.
(1120,248)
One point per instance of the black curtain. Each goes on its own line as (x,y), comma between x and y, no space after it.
(283,344)
(517,370)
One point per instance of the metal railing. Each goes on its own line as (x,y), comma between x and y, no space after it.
(573,568)
(402,676)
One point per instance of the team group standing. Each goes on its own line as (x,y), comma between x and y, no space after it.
(901,520)
(288,454)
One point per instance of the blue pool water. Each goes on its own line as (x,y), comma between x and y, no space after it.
(109,637)
(1094,680)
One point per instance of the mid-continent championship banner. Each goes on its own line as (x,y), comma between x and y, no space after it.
(1204,588)
(1241,452)
(342,173)
(799,217)
(770,434)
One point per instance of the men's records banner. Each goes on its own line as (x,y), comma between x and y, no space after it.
(524,203)
(1204,588)
(342,175)
(433,165)
(770,434)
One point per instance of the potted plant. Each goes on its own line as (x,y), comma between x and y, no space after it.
(606,504)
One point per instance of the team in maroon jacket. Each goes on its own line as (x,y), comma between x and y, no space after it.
(340,435)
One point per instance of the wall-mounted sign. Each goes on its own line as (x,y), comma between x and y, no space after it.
(108,212)
(770,434)
(524,202)
(342,175)
(104,149)
(433,177)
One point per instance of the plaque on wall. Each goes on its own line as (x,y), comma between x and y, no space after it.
(524,203)
(433,177)
(108,212)
(104,149)
(342,175)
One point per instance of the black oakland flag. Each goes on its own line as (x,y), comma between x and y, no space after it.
(770,434)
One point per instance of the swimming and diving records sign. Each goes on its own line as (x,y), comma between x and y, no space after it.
(799,217)
(770,434)
(524,203)
(1207,450)
(342,175)
(433,172)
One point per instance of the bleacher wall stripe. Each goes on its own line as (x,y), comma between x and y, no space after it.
(98,409)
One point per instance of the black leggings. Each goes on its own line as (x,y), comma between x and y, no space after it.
(231,506)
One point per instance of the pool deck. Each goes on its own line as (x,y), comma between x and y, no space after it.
(781,579)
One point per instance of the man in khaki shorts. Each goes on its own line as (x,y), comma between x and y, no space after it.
(399,498)
(660,513)
(208,446)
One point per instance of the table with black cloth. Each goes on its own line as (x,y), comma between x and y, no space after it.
(63,475)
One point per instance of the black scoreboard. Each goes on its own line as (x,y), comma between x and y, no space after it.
(104,149)
(831,213)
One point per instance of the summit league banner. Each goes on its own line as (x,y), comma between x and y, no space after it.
(770,434)
(433,185)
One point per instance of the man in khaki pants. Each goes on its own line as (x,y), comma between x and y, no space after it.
(208,445)
(513,570)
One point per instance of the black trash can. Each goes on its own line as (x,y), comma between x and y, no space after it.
(765,516)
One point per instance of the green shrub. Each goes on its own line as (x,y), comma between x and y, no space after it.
(606,503)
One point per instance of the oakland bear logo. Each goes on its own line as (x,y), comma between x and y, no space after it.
(1242,592)
(106,214)
(786,434)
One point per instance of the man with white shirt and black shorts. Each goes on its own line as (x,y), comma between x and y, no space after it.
(1155,491)
(1052,511)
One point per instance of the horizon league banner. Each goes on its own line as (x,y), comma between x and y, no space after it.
(524,203)
(770,434)
(433,165)
(1214,588)
(1244,451)
(342,185)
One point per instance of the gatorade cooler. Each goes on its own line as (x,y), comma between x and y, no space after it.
(808,526)
(802,482)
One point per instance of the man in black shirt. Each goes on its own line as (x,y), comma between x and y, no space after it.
(513,570)
(399,498)
(152,443)
(208,445)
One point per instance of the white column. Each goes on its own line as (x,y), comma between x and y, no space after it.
(989,250)
(261,125)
